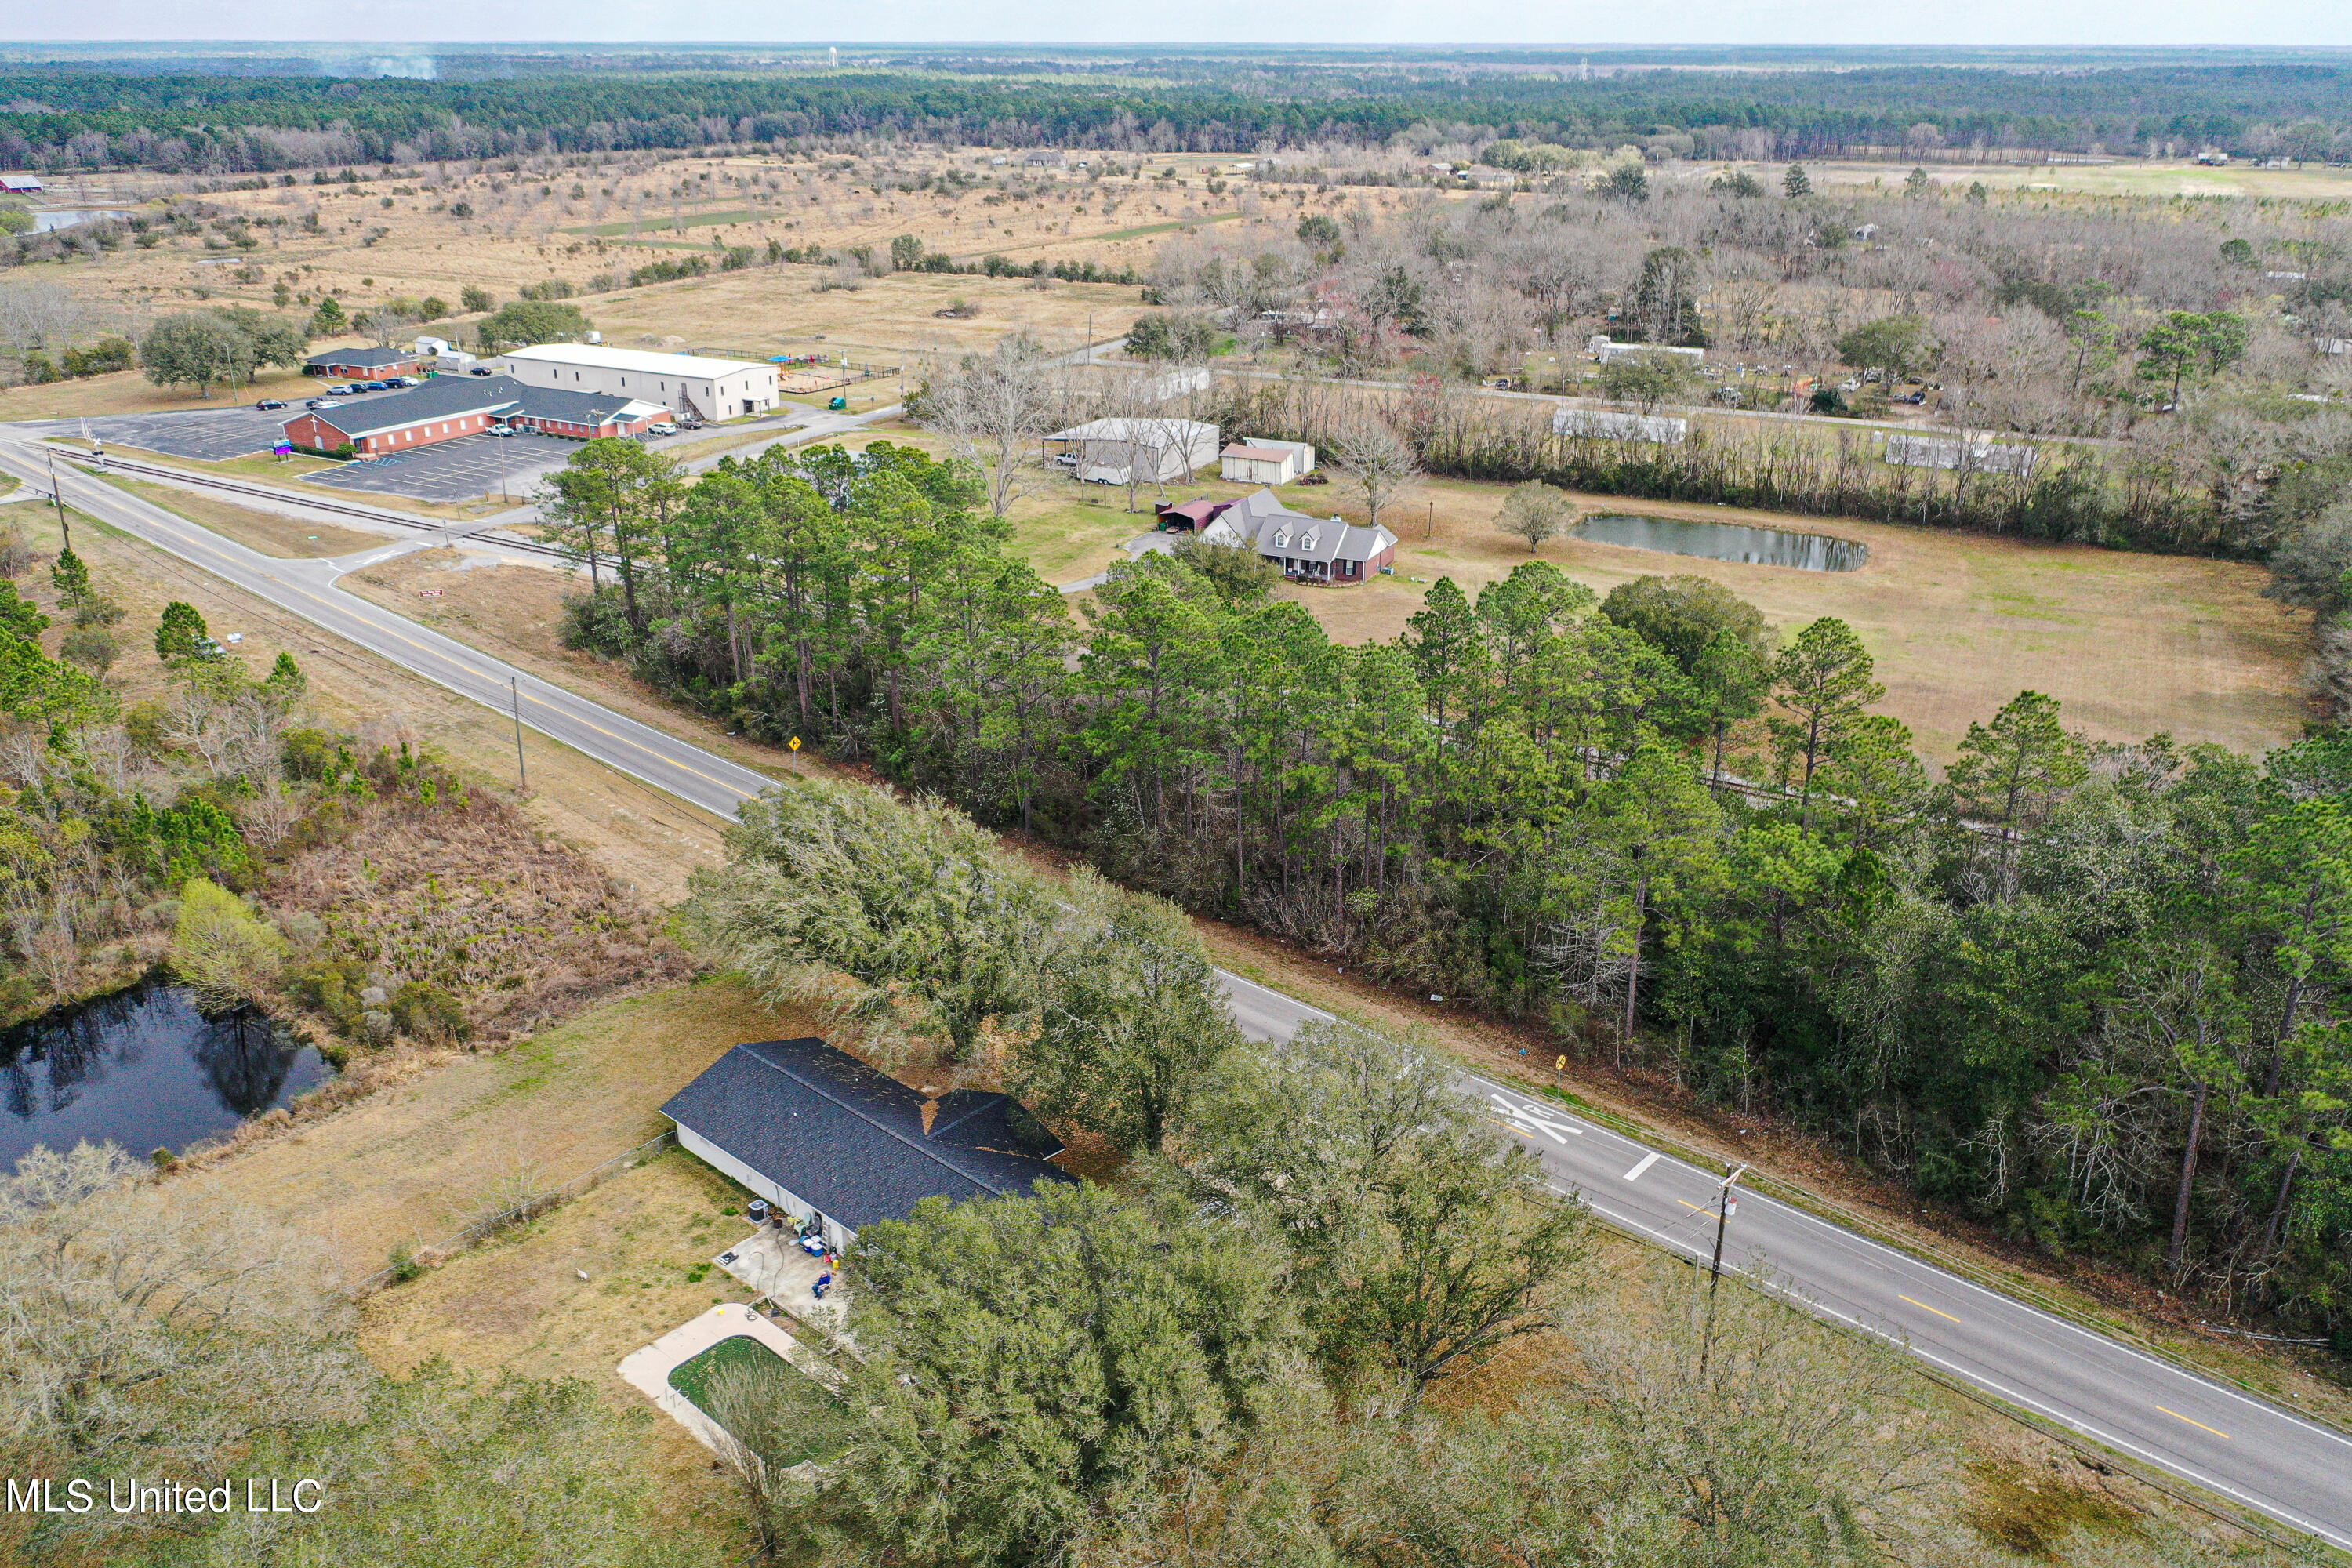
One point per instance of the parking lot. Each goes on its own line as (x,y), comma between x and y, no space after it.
(453,470)
(211,434)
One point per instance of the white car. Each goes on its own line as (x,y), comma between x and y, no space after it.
(664,429)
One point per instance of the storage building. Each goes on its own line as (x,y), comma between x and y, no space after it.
(1143,451)
(706,388)
(1255,460)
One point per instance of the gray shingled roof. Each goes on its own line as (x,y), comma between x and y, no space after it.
(444,395)
(369,357)
(1261,519)
(848,1139)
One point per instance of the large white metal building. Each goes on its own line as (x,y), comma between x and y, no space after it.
(706,388)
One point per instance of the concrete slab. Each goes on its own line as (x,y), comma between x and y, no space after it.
(647,1371)
(770,1261)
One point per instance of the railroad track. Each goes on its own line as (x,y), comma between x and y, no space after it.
(370,514)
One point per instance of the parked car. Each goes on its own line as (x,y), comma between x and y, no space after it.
(689,423)
(664,429)
(341,391)
(316,403)
(268,403)
(481,370)
(504,430)
(375,386)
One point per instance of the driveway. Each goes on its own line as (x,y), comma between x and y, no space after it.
(453,470)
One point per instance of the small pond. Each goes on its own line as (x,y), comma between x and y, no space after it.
(1726,542)
(143,1068)
(65,217)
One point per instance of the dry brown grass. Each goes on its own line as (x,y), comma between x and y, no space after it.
(519,1302)
(1960,624)
(264,530)
(415,1162)
(470,896)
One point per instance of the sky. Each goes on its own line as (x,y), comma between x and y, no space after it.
(1588,22)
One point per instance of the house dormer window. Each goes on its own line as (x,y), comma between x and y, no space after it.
(1307,540)
(1282,539)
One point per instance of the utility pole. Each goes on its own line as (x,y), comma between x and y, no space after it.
(524,777)
(1725,1203)
(58,497)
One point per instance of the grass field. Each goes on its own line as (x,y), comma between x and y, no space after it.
(265,531)
(2131,644)
(2162,178)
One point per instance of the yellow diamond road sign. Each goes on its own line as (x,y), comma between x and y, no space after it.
(796,743)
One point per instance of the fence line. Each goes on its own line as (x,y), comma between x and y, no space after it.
(530,1208)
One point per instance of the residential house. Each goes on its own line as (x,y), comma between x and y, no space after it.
(1307,549)
(1256,460)
(824,1137)
(1140,451)
(19,185)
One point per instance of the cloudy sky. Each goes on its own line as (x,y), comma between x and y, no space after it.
(1976,21)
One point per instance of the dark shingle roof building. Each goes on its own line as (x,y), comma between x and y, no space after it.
(453,406)
(816,1130)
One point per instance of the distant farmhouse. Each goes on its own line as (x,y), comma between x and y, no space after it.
(19,185)
(825,1137)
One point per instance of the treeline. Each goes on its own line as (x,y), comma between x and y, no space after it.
(2085,994)
(232,124)
(2153,496)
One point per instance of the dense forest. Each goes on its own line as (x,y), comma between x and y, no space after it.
(2087,992)
(222,123)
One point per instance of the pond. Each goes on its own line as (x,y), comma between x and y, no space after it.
(65,217)
(143,1068)
(1726,542)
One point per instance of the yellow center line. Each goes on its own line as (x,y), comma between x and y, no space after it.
(1925,1308)
(1701,1208)
(2198,1425)
(1508,1128)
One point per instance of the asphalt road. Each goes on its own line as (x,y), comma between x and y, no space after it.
(2219,1437)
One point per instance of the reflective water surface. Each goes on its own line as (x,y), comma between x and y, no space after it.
(143,1068)
(1726,542)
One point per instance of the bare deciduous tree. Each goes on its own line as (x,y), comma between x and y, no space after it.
(994,409)
(1379,461)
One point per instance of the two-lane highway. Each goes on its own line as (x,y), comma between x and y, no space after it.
(2238,1446)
